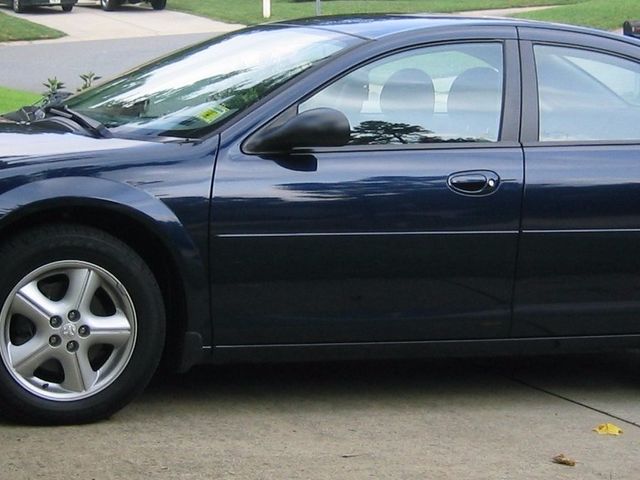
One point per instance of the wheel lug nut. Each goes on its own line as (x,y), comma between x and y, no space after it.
(72,346)
(54,340)
(84,331)
(55,321)
(73,315)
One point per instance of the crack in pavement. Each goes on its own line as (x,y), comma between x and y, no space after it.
(511,376)
(575,402)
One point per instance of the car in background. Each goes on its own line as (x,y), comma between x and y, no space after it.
(20,6)
(327,188)
(110,5)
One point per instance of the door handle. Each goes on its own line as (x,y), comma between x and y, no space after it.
(475,182)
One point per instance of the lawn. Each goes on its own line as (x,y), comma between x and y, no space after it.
(12,28)
(606,14)
(250,11)
(11,100)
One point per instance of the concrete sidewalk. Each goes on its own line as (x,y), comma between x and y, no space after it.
(88,22)
(27,65)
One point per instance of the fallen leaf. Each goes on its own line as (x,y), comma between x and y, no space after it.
(608,429)
(564,460)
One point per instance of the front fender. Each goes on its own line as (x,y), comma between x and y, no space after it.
(138,205)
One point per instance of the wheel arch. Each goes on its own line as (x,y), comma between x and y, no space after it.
(144,223)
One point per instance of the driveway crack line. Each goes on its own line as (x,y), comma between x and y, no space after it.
(575,402)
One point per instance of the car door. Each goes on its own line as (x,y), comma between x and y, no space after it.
(408,233)
(579,260)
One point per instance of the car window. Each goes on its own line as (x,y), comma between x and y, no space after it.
(190,92)
(586,95)
(448,93)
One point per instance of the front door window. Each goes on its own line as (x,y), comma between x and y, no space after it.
(448,93)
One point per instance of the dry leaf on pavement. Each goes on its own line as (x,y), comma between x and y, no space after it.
(608,429)
(564,460)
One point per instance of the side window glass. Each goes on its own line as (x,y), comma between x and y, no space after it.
(449,93)
(585,95)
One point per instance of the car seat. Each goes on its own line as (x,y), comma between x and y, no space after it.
(474,104)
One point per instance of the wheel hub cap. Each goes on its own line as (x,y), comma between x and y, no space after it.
(69,330)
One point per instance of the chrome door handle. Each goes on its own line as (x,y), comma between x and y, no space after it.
(474,182)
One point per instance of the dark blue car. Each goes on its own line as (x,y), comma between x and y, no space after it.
(338,187)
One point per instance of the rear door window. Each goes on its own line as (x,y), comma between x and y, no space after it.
(586,95)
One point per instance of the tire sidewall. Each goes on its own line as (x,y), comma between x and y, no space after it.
(150,325)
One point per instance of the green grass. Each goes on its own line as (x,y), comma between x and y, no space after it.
(250,11)
(605,14)
(11,100)
(12,28)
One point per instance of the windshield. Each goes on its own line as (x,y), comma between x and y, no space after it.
(190,92)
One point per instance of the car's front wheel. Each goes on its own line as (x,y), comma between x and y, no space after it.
(67,7)
(81,325)
(158,4)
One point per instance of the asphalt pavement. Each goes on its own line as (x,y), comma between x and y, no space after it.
(87,21)
(27,66)
(106,43)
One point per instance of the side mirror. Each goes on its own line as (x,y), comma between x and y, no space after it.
(320,127)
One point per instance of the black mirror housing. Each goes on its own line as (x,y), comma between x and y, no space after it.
(320,127)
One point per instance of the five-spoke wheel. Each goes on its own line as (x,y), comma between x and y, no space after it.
(81,324)
(69,330)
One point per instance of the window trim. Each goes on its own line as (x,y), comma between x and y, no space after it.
(410,146)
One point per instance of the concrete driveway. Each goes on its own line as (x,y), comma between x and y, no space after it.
(491,419)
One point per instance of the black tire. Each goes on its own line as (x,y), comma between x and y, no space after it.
(67,7)
(18,6)
(27,393)
(109,5)
(158,4)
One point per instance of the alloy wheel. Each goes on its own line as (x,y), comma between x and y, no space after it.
(67,330)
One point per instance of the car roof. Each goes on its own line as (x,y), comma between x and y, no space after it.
(376,26)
